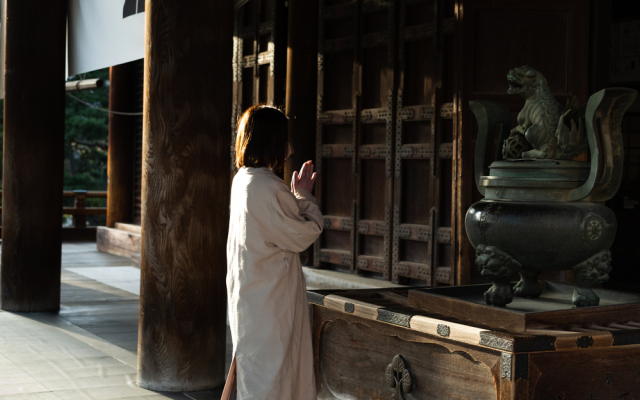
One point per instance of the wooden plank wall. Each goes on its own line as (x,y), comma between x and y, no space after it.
(425,135)
(386,219)
(259,56)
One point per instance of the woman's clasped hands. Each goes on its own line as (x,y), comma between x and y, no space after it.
(305,179)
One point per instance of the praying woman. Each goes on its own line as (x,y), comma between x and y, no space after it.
(270,225)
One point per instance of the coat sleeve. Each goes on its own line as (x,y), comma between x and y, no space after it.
(296,221)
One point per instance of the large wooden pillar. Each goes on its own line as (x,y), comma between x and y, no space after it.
(121,135)
(185,194)
(35,39)
(302,83)
(302,89)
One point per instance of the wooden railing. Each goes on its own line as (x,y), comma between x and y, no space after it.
(79,211)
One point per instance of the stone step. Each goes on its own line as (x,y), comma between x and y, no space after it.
(133,228)
(118,241)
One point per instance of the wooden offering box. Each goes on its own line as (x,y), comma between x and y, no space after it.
(445,343)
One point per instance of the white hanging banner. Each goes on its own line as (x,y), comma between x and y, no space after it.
(103,33)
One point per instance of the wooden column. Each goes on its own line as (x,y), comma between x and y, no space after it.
(302,83)
(121,135)
(302,89)
(185,194)
(464,253)
(35,39)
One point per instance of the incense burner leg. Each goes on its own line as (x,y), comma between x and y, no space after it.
(588,274)
(498,267)
(528,287)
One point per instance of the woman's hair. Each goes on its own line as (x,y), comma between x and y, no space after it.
(262,138)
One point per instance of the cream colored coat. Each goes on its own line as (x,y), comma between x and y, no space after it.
(267,296)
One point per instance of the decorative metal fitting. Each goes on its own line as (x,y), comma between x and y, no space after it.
(324,256)
(424,234)
(403,232)
(346,224)
(407,151)
(426,112)
(364,152)
(399,377)
(346,259)
(348,151)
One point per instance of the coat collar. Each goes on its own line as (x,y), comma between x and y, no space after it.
(262,171)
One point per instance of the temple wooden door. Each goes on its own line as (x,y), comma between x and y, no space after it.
(426,131)
(355,135)
(259,56)
(385,138)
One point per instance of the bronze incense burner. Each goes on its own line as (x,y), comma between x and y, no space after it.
(543,211)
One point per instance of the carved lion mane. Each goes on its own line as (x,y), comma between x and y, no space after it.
(538,120)
(542,120)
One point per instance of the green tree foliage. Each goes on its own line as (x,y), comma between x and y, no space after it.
(86,137)
(86,134)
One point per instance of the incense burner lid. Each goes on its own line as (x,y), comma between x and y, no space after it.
(533,179)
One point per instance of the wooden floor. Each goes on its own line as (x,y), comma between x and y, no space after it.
(88,350)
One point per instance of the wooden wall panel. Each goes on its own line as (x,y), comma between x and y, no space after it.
(355,135)
(425,132)
(336,133)
(369,52)
(375,139)
(551,36)
(259,56)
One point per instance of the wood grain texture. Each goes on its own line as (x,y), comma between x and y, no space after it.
(596,374)
(33,154)
(464,178)
(118,241)
(352,355)
(185,194)
(450,359)
(120,162)
(542,312)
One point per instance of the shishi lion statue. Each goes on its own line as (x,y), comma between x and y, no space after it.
(543,121)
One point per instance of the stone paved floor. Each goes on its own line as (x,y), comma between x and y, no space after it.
(88,350)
